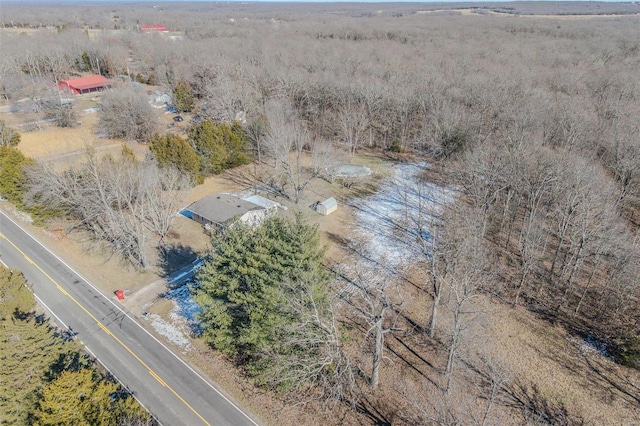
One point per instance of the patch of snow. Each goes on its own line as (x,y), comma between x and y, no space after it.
(387,220)
(591,345)
(180,275)
(182,318)
(350,170)
(172,331)
(185,306)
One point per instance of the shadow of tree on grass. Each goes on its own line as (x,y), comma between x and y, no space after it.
(175,256)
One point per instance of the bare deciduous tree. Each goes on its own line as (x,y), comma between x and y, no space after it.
(354,123)
(378,300)
(162,193)
(317,367)
(468,276)
(8,135)
(118,201)
(126,113)
(298,159)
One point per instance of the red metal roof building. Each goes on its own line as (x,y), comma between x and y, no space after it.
(82,85)
(156,28)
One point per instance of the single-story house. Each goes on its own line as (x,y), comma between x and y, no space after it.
(327,206)
(220,210)
(267,204)
(154,28)
(82,85)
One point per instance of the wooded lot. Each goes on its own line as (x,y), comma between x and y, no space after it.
(529,124)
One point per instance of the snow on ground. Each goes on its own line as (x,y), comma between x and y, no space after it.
(174,331)
(350,170)
(185,306)
(182,317)
(387,220)
(591,345)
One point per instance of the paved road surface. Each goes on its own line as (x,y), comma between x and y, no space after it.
(168,387)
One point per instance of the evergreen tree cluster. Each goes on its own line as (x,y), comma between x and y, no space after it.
(257,289)
(44,378)
(12,174)
(14,183)
(183,97)
(209,149)
(174,150)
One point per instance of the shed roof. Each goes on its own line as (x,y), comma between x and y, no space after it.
(329,202)
(221,208)
(85,83)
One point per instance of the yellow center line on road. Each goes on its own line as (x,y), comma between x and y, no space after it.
(106,330)
(62,290)
(155,376)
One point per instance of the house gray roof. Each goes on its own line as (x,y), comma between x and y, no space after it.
(261,201)
(221,208)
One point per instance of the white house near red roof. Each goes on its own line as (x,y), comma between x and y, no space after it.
(155,28)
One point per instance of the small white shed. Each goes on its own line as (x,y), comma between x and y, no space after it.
(327,206)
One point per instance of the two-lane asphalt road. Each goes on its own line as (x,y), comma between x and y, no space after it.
(162,382)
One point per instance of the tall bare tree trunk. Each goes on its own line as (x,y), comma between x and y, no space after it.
(377,352)
(437,293)
(453,348)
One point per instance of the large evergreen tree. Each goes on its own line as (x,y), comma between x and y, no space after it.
(183,97)
(219,147)
(76,398)
(15,297)
(255,288)
(29,351)
(83,398)
(12,176)
(173,150)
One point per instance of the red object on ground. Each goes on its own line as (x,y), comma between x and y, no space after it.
(120,294)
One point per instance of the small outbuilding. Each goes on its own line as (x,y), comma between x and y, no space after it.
(221,210)
(154,28)
(327,206)
(78,86)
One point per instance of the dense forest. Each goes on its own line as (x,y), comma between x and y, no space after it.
(533,121)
